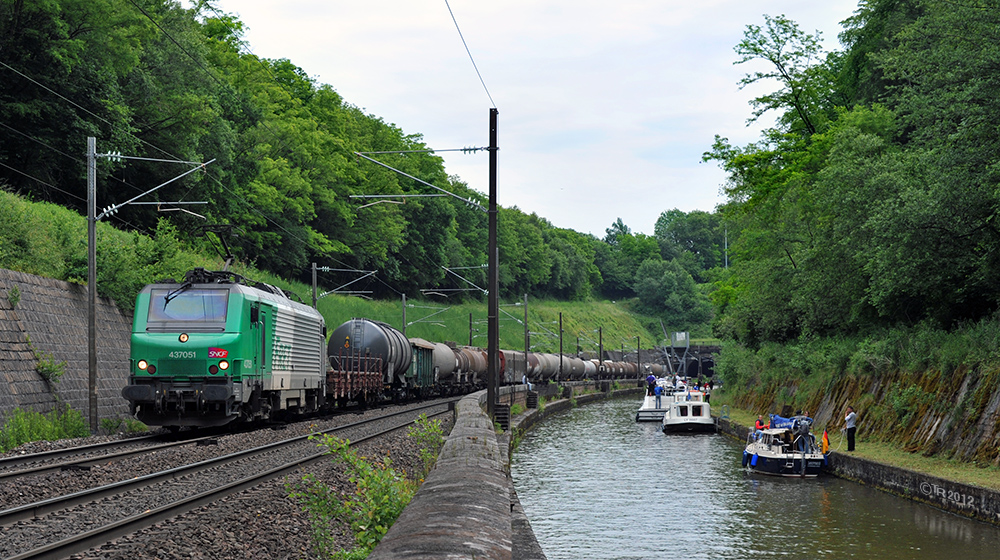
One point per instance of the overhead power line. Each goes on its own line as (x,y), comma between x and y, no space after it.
(494,105)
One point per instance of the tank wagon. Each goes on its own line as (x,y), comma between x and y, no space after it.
(217,348)
(367,359)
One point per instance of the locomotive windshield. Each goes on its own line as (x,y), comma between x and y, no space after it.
(194,309)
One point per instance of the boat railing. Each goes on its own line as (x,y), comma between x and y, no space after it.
(803,444)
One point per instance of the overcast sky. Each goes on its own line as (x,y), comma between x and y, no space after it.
(605,108)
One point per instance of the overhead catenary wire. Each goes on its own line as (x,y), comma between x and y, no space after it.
(150,145)
(492,103)
(211,176)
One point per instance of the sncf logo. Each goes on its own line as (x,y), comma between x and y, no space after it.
(217,353)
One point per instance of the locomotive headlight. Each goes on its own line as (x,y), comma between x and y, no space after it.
(213,369)
(183,337)
(223,365)
(142,364)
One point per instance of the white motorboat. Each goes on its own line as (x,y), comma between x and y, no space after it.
(687,412)
(786,449)
(653,407)
(650,411)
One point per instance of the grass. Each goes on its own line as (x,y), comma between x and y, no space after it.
(948,469)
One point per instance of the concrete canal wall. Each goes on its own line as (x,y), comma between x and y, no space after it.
(467,507)
(974,502)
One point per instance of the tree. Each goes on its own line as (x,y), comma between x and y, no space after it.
(667,291)
(620,256)
(695,239)
(794,56)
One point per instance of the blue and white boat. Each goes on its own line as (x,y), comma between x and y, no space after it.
(785,449)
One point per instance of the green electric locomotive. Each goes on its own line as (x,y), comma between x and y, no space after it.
(218,348)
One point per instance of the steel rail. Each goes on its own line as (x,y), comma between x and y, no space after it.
(37,509)
(91,461)
(16,460)
(101,535)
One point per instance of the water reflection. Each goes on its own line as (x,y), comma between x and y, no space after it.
(595,484)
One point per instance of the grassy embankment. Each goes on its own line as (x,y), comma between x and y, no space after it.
(49,240)
(926,398)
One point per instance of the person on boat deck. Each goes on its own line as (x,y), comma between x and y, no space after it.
(658,391)
(708,393)
(801,424)
(760,423)
(650,383)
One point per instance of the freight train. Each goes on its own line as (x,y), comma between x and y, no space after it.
(218,348)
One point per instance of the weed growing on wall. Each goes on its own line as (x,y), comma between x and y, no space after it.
(380,494)
(430,437)
(45,364)
(14,296)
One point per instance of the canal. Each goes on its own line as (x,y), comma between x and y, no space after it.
(595,484)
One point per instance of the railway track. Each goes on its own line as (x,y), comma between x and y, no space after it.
(66,525)
(86,457)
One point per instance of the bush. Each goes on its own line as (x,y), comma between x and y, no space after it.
(379,497)
(430,438)
(25,425)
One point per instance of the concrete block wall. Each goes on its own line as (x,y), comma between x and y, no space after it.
(52,315)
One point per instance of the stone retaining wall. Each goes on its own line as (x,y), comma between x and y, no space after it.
(50,320)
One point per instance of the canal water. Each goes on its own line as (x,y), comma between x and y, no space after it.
(597,485)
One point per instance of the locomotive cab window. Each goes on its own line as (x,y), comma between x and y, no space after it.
(193,309)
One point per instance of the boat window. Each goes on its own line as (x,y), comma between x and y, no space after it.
(682,410)
(195,309)
(696,410)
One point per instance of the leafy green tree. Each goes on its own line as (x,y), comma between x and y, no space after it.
(63,61)
(524,265)
(696,239)
(619,258)
(793,56)
(870,30)
(667,291)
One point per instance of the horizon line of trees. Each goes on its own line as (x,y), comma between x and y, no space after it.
(152,79)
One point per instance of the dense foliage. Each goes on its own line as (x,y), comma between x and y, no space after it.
(872,202)
(154,80)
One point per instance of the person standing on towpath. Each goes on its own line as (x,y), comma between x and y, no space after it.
(851,426)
